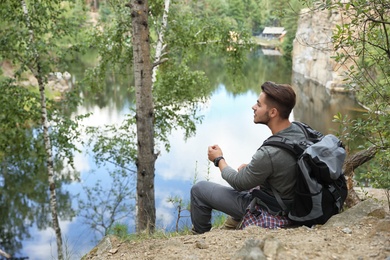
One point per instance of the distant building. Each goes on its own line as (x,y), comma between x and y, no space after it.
(274,33)
(271,52)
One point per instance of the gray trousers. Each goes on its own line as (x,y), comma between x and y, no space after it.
(206,196)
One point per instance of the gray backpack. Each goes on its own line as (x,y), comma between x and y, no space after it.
(321,189)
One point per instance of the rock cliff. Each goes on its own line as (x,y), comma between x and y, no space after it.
(313,48)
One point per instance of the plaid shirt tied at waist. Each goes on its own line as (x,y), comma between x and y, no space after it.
(259,217)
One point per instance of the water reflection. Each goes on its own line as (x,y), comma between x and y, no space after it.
(113,93)
(257,69)
(24,187)
(316,105)
(24,192)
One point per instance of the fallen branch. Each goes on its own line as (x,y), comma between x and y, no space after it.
(350,165)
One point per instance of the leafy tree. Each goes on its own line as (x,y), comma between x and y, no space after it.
(362,43)
(32,47)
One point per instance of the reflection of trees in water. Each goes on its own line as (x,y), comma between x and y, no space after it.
(316,105)
(114,91)
(256,70)
(262,68)
(24,192)
(24,188)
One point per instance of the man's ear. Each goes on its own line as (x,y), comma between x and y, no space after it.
(273,112)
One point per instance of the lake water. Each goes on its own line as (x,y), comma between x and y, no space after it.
(228,121)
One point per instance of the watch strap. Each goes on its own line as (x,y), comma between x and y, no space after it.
(216,160)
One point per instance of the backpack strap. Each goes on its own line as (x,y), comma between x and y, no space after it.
(278,141)
(335,189)
(279,199)
(304,127)
(310,134)
(294,148)
(336,196)
(275,205)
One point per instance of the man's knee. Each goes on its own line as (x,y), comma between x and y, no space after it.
(197,188)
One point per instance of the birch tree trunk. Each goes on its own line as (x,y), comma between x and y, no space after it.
(146,211)
(36,70)
(160,41)
(50,167)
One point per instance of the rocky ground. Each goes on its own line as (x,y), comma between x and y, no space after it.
(362,232)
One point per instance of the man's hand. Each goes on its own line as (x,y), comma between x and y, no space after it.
(214,152)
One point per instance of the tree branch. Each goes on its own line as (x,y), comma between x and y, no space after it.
(157,63)
(378,21)
(358,159)
(350,165)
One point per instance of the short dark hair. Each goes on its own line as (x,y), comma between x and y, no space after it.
(281,96)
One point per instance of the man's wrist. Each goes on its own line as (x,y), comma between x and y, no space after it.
(216,160)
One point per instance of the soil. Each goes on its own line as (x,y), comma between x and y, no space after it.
(365,238)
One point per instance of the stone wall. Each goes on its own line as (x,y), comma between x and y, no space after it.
(313,49)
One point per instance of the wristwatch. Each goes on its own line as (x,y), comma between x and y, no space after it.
(216,160)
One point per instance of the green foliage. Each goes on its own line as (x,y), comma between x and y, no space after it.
(173,87)
(20,110)
(120,230)
(32,39)
(289,20)
(180,87)
(363,43)
(52,27)
(251,16)
(191,37)
(55,25)
(114,144)
(218,219)
(375,175)
(112,40)
(344,130)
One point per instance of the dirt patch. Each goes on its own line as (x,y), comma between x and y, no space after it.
(367,237)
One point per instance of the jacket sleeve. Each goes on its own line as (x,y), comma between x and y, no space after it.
(254,174)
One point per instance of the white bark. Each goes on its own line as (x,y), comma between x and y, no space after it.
(5,254)
(49,157)
(160,41)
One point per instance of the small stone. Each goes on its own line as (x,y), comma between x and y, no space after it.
(201,244)
(113,251)
(250,251)
(347,230)
(272,247)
